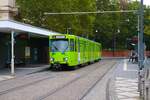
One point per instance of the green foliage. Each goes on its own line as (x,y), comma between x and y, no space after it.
(107,25)
(147,21)
(147,27)
(32,12)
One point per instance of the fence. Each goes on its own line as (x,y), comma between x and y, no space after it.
(120,53)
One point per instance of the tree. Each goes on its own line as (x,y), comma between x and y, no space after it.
(100,27)
(147,20)
(109,24)
(147,27)
(32,12)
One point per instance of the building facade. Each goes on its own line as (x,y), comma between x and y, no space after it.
(8,9)
(30,42)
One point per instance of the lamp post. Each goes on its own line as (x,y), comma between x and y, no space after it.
(68,30)
(96,31)
(114,41)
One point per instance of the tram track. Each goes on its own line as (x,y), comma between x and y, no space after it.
(23,86)
(73,81)
(70,82)
(96,82)
(43,79)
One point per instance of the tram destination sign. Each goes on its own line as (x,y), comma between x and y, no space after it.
(59,37)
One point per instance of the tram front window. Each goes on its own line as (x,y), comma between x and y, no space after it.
(59,45)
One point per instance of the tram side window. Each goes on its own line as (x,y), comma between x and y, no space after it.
(50,45)
(78,43)
(75,45)
(71,45)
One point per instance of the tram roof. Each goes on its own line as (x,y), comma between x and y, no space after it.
(9,25)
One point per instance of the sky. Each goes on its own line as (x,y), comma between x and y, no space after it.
(147,2)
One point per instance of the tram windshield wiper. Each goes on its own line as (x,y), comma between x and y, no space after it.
(60,45)
(55,47)
(65,50)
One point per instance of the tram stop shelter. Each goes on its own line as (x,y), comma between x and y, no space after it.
(23,43)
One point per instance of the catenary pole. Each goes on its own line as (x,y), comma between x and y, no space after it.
(141,49)
(141,41)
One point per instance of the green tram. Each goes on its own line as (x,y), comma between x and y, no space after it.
(70,51)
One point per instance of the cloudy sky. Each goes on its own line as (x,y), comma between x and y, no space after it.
(147,2)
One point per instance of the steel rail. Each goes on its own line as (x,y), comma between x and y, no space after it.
(96,82)
(33,83)
(23,86)
(67,84)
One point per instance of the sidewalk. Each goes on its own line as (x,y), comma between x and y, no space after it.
(5,73)
(126,81)
(147,63)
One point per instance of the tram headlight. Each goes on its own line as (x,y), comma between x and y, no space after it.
(65,59)
(52,59)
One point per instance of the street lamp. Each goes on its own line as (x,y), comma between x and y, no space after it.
(118,31)
(68,30)
(96,31)
(127,20)
(114,41)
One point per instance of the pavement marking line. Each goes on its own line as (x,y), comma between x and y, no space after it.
(6,77)
(126,89)
(126,81)
(125,67)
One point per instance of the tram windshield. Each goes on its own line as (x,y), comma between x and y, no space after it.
(59,45)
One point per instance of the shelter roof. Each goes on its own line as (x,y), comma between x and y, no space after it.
(9,25)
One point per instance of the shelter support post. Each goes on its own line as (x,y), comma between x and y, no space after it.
(12,54)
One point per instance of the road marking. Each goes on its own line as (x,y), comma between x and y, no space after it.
(126,89)
(5,77)
(125,67)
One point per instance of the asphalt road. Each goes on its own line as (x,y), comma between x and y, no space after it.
(87,83)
